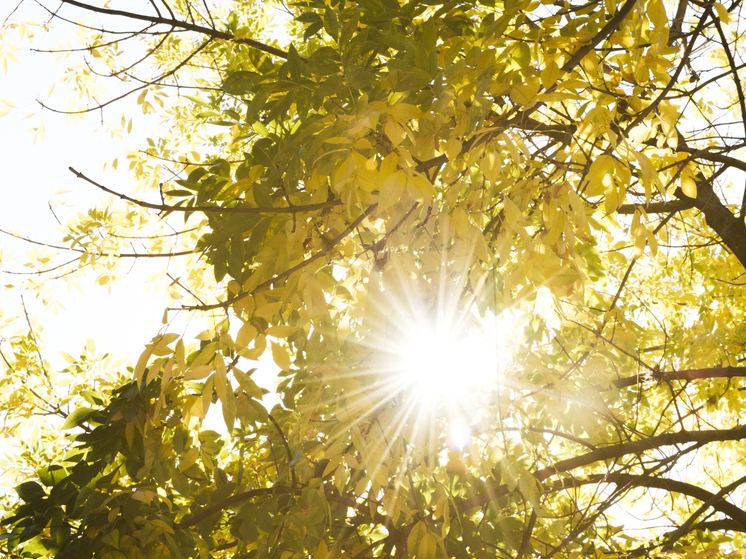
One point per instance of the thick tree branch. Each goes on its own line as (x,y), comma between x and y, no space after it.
(682,530)
(685,375)
(656,207)
(611,452)
(729,228)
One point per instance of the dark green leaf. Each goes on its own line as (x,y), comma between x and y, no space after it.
(30,491)
(331,25)
(51,475)
(294,63)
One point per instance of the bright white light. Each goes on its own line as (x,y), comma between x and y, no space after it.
(459,434)
(441,365)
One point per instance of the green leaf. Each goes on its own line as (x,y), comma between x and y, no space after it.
(294,63)
(51,475)
(331,25)
(522,54)
(241,82)
(30,491)
(77,417)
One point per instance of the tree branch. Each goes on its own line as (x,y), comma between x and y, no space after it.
(657,207)
(605,31)
(685,375)
(611,452)
(214,33)
(209,209)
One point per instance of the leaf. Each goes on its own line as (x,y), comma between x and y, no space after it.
(30,491)
(238,83)
(392,190)
(522,54)
(294,63)
(280,356)
(331,25)
(688,185)
(77,417)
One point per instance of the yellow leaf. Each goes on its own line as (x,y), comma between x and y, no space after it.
(688,185)
(723,13)
(392,190)
(452,148)
(404,112)
(282,331)
(280,356)
(415,535)
(268,310)
(199,372)
(321,551)
(206,335)
(394,131)
(550,75)
(245,334)
(427,547)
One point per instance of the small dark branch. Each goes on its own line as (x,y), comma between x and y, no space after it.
(209,209)
(678,19)
(739,91)
(36,340)
(674,78)
(286,445)
(686,526)
(670,485)
(209,14)
(714,157)
(611,26)
(327,249)
(145,85)
(170,11)
(683,375)
(732,64)
(527,532)
(81,251)
(157,11)
(657,207)
(634,260)
(176,281)
(225,503)
(213,33)
(45,270)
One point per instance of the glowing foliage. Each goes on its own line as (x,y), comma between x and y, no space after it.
(491,249)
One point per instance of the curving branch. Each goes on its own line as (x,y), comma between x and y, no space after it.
(209,209)
(608,453)
(179,24)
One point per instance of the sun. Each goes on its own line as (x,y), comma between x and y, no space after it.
(440,364)
(448,365)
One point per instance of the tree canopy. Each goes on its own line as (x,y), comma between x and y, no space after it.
(495,249)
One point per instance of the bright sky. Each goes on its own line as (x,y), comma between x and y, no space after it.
(33,173)
(120,319)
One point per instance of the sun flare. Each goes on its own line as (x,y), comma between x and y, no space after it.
(444,365)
